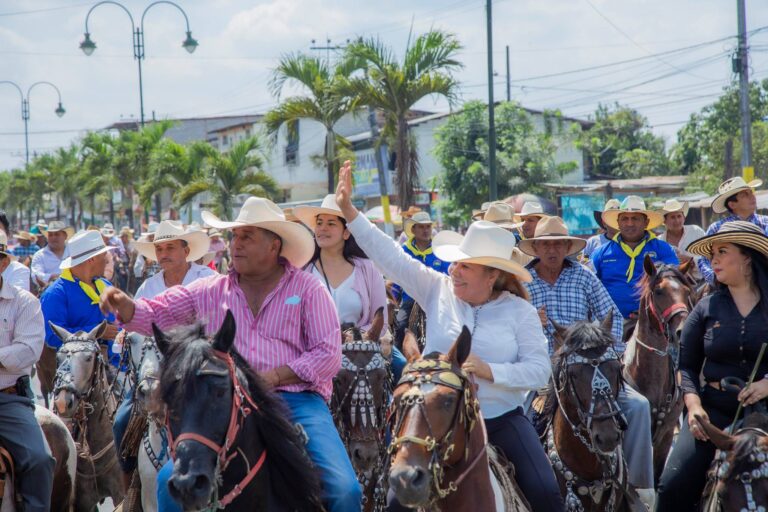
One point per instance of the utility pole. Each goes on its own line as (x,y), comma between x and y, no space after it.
(493,196)
(741,65)
(328,48)
(509,79)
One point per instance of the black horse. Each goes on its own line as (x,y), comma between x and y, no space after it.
(232,444)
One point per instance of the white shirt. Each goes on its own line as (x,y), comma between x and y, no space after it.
(349,306)
(691,233)
(17,275)
(508,333)
(21,333)
(155,285)
(45,263)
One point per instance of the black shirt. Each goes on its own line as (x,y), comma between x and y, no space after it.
(717,338)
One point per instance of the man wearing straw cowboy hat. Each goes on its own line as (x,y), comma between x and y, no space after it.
(26,248)
(737,197)
(502,214)
(46,261)
(608,233)
(530,215)
(287,330)
(566,292)
(619,263)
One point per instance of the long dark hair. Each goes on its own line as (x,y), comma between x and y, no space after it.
(759,267)
(350,250)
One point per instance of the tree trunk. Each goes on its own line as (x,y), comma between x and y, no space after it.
(129,193)
(93,210)
(111,208)
(405,177)
(72,212)
(330,150)
(728,157)
(58,208)
(158,207)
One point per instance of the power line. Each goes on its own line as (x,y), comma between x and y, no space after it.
(49,9)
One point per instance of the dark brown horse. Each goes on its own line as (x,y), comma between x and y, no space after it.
(83,398)
(585,424)
(738,477)
(361,394)
(439,450)
(45,368)
(651,356)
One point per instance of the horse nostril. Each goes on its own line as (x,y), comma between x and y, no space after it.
(419,477)
(201,483)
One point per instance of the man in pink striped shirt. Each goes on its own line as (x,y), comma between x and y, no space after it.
(287,329)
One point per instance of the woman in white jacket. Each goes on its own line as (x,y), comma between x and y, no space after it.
(509,349)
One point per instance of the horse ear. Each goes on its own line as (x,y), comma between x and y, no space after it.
(377,326)
(685,267)
(225,338)
(410,347)
(98,331)
(160,339)
(607,322)
(649,266)
(722,440)
(559,334)
(461,348)
(60,332)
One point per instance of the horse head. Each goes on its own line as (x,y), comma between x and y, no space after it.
(434,412)
(741,466)
(361,392)
(145,360)
(587,381)
(668,297)
(80,363)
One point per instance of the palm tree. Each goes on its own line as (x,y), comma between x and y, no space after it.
(323,103)
(396,86)
(99,177)
(66,167)
(227,175)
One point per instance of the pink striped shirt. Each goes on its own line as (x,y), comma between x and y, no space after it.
(297,325)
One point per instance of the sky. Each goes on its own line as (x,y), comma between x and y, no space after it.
(667,59)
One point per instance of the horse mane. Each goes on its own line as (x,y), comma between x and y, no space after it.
(745,445)
(647,283)
(289,466)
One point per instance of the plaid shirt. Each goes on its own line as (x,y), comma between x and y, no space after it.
(22,252)
(704,266)
(576,295)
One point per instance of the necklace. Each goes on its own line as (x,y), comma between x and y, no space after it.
(476,312)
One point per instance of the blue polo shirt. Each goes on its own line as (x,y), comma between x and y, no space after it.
(611,263)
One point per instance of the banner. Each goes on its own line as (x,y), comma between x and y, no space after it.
(366,173)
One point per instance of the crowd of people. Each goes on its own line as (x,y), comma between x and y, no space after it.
(512,279)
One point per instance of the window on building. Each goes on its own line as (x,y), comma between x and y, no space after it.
(225,140)
(292,143)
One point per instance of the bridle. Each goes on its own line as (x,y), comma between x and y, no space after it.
(746,477)
(440,373)
(664,319)
(242,406)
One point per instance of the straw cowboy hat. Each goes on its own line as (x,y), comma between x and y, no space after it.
(478,214)
(4,246)
(530,209)
(417,218)
(84,246)
(308,214)
(24,235)
(611,204)
(298,243)
(126,230)
(108,230)
(410,212)
(730,188)
(632,204)
(484,244)
(551,228)
(170,230)
(673,205)
(735,232)
(57,225)
(501,213)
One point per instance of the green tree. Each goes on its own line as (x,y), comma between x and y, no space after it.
(239,171)
(620,144)
(99,178)
(324,102)
(395,86)
(525,156)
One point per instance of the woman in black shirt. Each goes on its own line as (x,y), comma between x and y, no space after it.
(722,337)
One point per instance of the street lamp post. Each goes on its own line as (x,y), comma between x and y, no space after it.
(25,109)
(88,46)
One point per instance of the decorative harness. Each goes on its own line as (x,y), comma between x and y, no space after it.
(441,373)
(722,472)
(612,466)
(242,406)
(362,408)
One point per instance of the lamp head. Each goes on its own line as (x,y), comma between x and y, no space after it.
(60,110)
(87,45)
(190,43)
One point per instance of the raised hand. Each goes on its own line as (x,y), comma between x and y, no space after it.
(344,192)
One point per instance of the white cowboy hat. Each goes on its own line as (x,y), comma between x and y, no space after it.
(170,230)
(735,232)
(501,214)
(4,246)
(730,188)
(84,246)
(484,244)
(416,218)
(551,228)
(57,225)
(108,230)
(611,204)
(632,204)
(673,205)
(530,209)
(298,243)
(478,214)
(308,214)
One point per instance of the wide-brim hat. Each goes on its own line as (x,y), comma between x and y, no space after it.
(632,204)
(484,244)
(501,213)
(4,246)
(298,243)
(552,228)
(730,188)
(151,228)
(416,218)
(84,246)
(611,204)
(57,225)
(170,230)
(735,232)
(530,209)
(308,214)
(23,235)
(126,230)
(407,214)
(673,205)
(478,214)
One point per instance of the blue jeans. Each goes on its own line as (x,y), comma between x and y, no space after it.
(341,490)
(398,363)
(122,417)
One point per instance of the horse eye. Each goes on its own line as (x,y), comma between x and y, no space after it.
(89,359)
